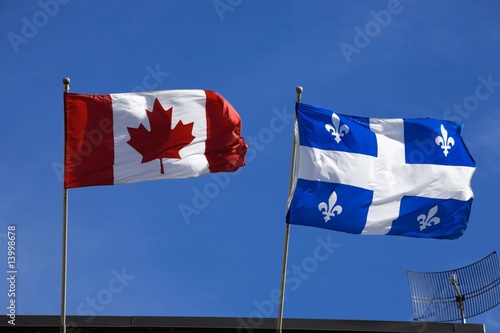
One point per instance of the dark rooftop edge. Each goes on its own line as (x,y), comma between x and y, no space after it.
(46,323)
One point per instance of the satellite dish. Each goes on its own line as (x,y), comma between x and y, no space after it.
(456,294)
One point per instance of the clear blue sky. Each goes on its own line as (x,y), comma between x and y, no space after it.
(368,58)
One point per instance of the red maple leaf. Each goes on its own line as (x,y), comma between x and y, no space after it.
(162,141)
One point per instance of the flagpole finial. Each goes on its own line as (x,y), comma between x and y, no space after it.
(66,81)
(299,91)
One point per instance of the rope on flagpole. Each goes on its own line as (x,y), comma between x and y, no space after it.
(279,329)
(65,81)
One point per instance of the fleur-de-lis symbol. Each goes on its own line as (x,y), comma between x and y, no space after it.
(330,210)
(337,131)
(444,141)
(429,219)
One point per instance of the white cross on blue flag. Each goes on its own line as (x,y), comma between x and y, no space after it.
(380,176)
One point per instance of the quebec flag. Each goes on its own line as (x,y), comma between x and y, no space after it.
(376,176)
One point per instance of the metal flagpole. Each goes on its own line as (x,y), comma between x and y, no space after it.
(279,329)
(65,234)
(459,298)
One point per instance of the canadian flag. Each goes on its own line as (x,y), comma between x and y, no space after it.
(134,137)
